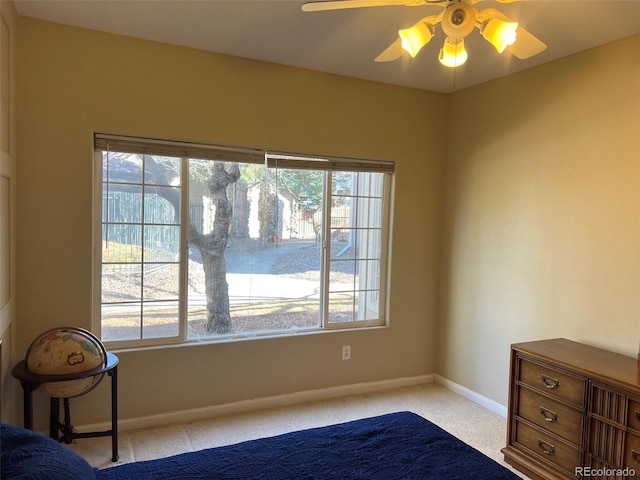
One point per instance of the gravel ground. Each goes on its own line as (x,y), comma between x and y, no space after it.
(304,264)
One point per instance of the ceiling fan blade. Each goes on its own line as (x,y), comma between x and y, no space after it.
(392,52)
(345,4)
(526,44)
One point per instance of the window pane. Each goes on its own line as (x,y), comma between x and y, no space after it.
(369,278)
(271,263)
(161,205)
(162,282)
(368,304)
(121,321)
(355,247)
(121,244)
(121,203)
(121,167)
(160,170)
(368,213)
(369,243)
(369,185)
(341,183)
(161,243)
(140,246)
(341,308)
(343,243)
(121,283)
(160,319)
(342,275)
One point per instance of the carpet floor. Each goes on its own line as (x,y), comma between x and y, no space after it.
(470,422)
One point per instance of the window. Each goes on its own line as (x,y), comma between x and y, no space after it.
(207,242)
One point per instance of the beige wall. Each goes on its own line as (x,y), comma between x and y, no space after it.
(542,217)
(72,82)
(543,214)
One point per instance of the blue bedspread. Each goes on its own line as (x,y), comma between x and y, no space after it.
(389,447)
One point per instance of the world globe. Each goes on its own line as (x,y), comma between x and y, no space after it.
(64,351)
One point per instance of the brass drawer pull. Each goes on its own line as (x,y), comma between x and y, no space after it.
(549,382)
(546,448)
(634,456)
(548,415)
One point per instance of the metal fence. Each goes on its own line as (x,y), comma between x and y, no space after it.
(127,221)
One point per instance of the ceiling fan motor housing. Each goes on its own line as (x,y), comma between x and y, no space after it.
(458,20)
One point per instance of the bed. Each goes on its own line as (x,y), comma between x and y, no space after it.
(394,446)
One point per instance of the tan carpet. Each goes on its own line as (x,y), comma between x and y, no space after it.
(473,424)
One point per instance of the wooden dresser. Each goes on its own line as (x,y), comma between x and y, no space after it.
(574,412)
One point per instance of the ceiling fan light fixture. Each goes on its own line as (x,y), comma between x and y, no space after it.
(499,33)
(452,53)
(458,20)
(416,37)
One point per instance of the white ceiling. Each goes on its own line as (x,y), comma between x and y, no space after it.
(345,42)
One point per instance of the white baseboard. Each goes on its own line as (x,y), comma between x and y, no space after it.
(485,402)
(185,416)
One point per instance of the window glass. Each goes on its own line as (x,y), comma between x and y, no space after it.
(140,247)
(206,248)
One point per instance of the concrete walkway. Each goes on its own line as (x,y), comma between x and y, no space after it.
(249,279)
(259,261)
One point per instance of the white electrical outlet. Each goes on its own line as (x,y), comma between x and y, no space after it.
(346,352)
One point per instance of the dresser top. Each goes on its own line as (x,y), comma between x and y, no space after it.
(596,363)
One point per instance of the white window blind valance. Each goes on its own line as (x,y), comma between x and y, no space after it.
(173,148)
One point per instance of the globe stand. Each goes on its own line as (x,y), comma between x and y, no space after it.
(31,381)
(69,433)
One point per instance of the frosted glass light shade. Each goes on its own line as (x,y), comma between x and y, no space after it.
(453,54)
(416,37)
(499,33)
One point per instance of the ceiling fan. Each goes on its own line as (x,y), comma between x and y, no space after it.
(458,19)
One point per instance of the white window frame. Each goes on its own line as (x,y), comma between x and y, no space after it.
(186,150)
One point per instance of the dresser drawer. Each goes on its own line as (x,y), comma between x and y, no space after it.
(632,453)
(550,415)
(633,415)
(547,448)
(553,382)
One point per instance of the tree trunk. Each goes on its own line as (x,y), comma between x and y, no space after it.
(212,247)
